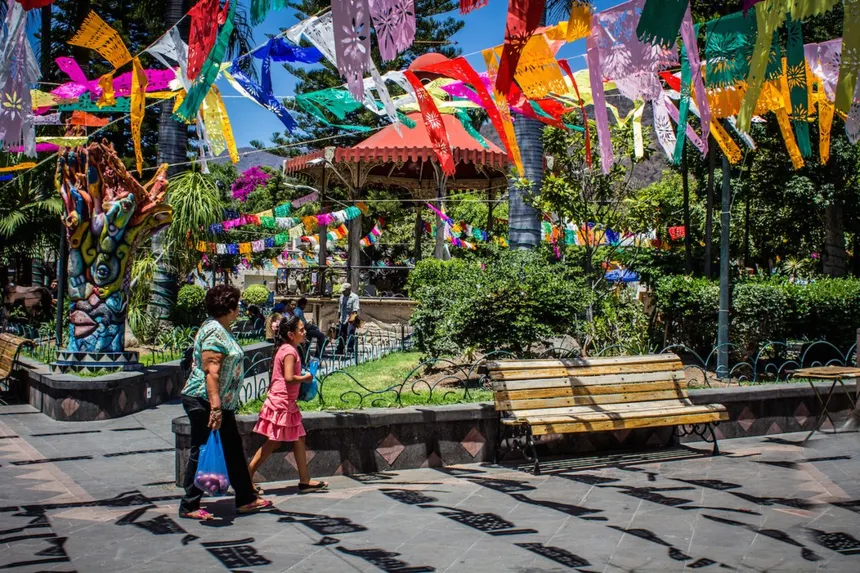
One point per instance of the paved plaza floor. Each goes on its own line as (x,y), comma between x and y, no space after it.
(100,497)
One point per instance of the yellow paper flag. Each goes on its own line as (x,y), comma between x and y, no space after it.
(97,35)
(106,84)
(138,107)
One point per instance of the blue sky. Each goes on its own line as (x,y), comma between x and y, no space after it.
(483,28)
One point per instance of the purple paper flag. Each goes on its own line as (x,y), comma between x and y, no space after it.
(351,19)
(394,21)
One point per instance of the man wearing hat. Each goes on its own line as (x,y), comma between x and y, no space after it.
(347,318)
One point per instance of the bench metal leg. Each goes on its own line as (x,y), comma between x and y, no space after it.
(716,450)
(531,444)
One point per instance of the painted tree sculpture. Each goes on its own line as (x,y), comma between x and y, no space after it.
(108,215)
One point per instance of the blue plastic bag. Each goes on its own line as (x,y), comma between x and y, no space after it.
(309,390)
(211,474)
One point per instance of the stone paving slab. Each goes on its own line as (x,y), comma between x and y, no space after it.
(98,496)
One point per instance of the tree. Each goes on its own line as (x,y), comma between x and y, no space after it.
(583,196)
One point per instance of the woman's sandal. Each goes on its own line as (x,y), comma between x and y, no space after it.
(255,506)
(200,515)
(311,487)
(258,490)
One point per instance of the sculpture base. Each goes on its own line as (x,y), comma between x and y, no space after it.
(92,362)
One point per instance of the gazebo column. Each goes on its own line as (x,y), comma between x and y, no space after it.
(419,232)
(441,182)
(354,247)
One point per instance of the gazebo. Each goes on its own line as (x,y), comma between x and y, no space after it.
(408,161)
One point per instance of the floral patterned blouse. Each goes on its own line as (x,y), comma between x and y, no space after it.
(214,337)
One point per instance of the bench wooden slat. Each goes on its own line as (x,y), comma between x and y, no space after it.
(584,400)
(629,423)
(563,382)
(601,410)
(585,390)
(502,365)
(561,372)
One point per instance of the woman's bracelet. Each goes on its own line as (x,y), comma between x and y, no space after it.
(218,409)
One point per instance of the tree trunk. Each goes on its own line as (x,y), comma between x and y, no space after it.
(45,43)
(172,146)
(685,180)
(523,219)
(834,242)
(419,233)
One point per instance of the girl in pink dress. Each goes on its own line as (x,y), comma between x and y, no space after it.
(280,418)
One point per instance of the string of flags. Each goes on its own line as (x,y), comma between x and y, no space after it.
(277,241)
(741,71)
(277,218)
(373,236)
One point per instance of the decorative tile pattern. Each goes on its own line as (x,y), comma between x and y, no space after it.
(774,429)
(621,435)
(801,414)
(746,419)
(70,406)
(432,461)
(291,457)
(122,401)
(346,468)
(390,449)
(474,441)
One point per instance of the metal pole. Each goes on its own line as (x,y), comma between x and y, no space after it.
(709,209)
(62,257)
(723,329)
(688,247)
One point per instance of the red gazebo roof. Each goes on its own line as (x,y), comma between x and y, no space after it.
(414,145)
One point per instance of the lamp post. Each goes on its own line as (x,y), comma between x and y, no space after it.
(723,328)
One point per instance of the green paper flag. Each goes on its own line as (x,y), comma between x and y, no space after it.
(466,121)
(683,107)
(660,21)
(729,43)
(797,86)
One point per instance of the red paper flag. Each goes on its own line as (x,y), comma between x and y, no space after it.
(433,122)
(523,19)
(467,6)
(31,4)
(206,16)
(459,69)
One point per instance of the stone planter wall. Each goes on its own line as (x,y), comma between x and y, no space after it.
(379,440)
(71,398)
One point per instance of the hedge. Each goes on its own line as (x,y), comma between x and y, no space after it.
(761,311)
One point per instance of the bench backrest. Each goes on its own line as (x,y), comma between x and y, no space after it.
(9,347)
(531,385)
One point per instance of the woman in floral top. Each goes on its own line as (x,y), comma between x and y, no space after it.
(210,399)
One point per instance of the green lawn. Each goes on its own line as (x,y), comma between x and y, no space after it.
(379,381)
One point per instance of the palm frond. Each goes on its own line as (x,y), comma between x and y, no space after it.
(11,222)
(52,206)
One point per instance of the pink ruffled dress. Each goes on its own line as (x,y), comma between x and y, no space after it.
(280,418)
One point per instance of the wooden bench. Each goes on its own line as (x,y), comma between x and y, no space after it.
(10,346)
(540,397)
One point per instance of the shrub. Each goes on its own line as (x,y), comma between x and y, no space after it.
(190,309)
(761,310)
(256,294)
(433,272)
(689,308)
(515,302)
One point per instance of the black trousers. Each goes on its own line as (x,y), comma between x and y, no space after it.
(314,333)
(197,410)
(346,337)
